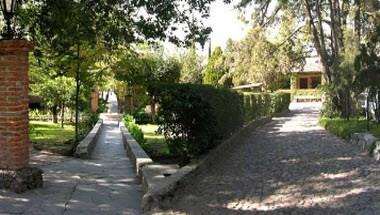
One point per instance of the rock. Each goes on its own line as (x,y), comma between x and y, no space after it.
(354,138)
(21,180)
(376,151)
(367,140)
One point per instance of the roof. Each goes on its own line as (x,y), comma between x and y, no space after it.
(313,64)
(247,86)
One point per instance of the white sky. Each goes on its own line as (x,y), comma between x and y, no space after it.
(225,24)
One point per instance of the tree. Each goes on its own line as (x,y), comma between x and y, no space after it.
(191,71)
(328,22)
(214,69)
(68,29)
(255,59)
(140,68)
(367,62)
(55,93)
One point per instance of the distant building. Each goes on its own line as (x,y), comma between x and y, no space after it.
(254,87)
(310,77)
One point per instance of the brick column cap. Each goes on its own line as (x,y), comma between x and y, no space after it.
(14,46)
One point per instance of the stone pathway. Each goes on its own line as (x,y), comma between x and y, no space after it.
(289,166)
(106,184)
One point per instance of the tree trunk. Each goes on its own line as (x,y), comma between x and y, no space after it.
(54,112)
(77,92)
(153,109)
(63,115)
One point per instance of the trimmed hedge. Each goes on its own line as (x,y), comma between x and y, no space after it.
(134,129)
(195,118)
(257,105)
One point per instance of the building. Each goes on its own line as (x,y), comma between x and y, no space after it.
(310,77)
(255,87)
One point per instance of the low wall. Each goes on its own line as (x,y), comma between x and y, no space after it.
(134,151)
(87,145)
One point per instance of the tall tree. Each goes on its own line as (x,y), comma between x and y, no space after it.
(328,21)
(191,71)
(214,69)
(69,28)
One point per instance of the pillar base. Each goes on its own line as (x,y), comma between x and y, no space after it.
(21,180)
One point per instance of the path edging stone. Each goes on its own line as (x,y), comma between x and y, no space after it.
(87,145)
(160,197)
(138,156)
(366,141)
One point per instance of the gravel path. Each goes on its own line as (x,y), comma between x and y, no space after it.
(289,166)
(106,184)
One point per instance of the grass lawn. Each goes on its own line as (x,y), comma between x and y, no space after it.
(50,133)
(344,128)
(155,143)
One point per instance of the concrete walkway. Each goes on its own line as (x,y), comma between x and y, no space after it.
(289,166)
(106,184)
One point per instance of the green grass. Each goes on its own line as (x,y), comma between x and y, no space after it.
(344,128)
(155,143)
(50,133)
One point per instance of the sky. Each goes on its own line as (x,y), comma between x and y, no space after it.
(225,24)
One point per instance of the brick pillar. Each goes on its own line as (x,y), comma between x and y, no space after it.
(15,174)
(14,123)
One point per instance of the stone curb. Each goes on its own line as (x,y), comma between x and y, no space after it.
(138,156)
(160,196)
(365,142)
(87,145)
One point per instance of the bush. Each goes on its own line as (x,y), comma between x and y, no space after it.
(134,129)
(195,118)
(142,118)
(256,105)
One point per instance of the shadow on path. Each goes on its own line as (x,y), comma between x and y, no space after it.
(106,184)
(289,166)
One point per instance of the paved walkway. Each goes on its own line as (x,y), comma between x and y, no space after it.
(289,166)
(106,184)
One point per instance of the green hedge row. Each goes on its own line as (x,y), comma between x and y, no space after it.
(256,105)
(134,129)
(196,118)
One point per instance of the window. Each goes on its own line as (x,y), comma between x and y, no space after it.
(315,82)
(303,83)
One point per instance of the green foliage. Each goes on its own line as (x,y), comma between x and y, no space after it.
(142,118)
(256,59)
(134,129)
(191,71)
(195,118)
(214,69)
(345,128)
(280,102)
(256,105)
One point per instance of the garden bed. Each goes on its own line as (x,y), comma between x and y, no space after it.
(345,128)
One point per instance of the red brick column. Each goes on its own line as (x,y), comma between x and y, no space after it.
(14,123)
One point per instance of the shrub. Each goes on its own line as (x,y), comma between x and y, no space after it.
(195,118)
(134,129)
(142,118)
(256,105)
